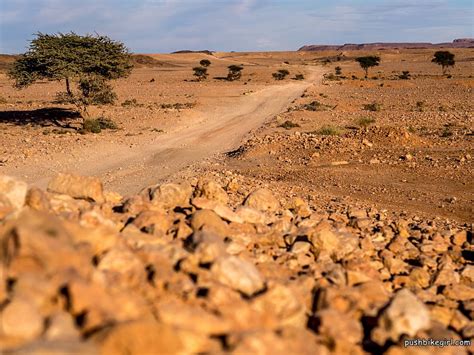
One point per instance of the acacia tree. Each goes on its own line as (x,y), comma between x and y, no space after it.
(200,73)
(87,61)
(445,59)
(235,72)
(205,63)
(368,62)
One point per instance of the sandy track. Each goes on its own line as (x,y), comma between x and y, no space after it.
(128,170)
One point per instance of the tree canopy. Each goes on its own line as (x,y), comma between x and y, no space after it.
(71,56)
(445,59)
(88,61)
(368,62)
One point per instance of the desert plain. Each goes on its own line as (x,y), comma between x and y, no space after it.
(330,214)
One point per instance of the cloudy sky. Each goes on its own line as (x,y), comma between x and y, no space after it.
(152,26)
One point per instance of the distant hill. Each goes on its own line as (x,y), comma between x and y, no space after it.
(188,51)
(457,43)
(142,60)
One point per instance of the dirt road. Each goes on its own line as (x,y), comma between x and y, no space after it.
(127,170)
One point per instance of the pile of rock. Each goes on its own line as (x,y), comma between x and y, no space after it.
(175,269)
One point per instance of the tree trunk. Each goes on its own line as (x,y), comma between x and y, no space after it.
(68,87)
(366,73)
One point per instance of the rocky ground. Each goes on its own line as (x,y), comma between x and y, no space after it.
(205,268)
(343,225)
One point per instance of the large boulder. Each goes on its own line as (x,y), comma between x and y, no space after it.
(80,187)
(262,200)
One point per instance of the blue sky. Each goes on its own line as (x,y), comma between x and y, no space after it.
(153,26)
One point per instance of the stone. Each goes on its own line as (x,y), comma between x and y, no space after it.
(153,222)
(6,207)
(459,292)
(468,273)
(238,274)
(170,196)
(196,319)
(61,327)
(211,190)
(338,326)
(406,314)
(20,318)
(13,190)
(420,277)
(141,337)
(263,200)
(37,200)
(210,220)
(221,210)
(279,307)
(250,215)
(446,275)
(80,187)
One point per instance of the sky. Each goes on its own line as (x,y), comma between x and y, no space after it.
(162,26)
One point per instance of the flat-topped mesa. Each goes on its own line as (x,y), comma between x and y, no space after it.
(457,43)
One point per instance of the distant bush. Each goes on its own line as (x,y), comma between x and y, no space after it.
(200,73)
(420,106)
(235,72)
(316,106)
(299,77)
(338,70)
(331,77)
(329,130)
(131,103)
(289,124)
(205,63)
(405,75)
(96,125)
(365,121)
(281,74)
(178,106)
(374,107)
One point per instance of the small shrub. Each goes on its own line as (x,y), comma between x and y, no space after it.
(96,125)
(338,70)
(405,75)
(329,130)
(3,100)
(374,107)
(299,77)
(331,77)
(316,106)
(281,74)
(446,132)
(107,123)
(95,90)
(178,106)
(365,121)
(91,125)
(289,125)
(131,103)
(63,98)
(420,106)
